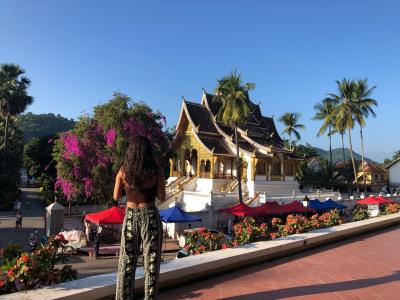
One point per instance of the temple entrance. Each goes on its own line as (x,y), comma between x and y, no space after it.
(187,165)
(193,159)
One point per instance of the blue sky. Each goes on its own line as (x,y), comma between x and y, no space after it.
(77,53)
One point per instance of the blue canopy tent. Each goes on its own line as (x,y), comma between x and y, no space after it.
(176,214)
(326,205)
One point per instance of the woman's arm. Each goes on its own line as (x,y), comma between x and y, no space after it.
(161,186)
(118,186)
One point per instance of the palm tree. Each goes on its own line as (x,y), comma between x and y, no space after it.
(341,131)
(233,94)
(365,103)
(346,114)
(290,120)
(13,93)
(323,110)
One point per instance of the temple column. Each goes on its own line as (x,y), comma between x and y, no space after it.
(198,166)
(171,167)
(253,168)
(212,171)
(282,167)
(269,171)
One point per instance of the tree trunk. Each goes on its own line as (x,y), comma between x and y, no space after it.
(362,160)
(6,132)
(330,145)
(352,160)
(238,167)
(344,155)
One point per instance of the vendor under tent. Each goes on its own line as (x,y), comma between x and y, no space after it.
(241,210)
(372,200)
(325,205)
(113,215)
(176,214)
(110,221)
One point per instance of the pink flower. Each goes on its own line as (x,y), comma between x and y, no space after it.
(71,145)
(66,187)
(110,137)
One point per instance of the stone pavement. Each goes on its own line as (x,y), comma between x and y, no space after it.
(365,267)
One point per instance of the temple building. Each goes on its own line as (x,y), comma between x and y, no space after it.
(206,152)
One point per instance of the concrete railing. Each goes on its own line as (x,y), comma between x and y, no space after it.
(198,267)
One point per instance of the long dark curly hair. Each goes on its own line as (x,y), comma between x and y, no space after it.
(140,164)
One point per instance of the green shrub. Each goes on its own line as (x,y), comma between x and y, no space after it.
(360,212)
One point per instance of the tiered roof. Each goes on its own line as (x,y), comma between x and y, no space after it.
(258,135)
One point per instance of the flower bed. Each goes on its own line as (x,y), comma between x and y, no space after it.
(203,240)
(360,211)
(296,224)
(24,271)
(247,231)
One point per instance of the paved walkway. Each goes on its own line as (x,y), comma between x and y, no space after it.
(32,212)
(366,267)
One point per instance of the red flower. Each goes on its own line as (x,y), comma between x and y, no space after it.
(276,221)
(225,246)
(2,282)
(25,258)
(10,273)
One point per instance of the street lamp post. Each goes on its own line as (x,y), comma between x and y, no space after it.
(306,202)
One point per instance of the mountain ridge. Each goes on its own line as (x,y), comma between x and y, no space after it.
(338,156)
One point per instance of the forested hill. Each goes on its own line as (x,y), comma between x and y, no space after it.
(33,125)
(338,156)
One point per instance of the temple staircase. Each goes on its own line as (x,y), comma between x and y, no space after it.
(174,190)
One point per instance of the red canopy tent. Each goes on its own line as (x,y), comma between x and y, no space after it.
(268,208)
(113,215)
(240,210)
(295,207)
(372,200)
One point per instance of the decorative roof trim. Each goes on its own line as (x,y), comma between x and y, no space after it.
(392,163)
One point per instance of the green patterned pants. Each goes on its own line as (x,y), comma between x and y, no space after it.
(140,224)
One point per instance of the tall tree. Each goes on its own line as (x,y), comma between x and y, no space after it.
(322,111)
(290,120)
(233,94)
(365,104)
(346,114)
(341,131)
(14,98)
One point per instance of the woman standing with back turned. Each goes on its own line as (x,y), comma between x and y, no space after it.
(143,181)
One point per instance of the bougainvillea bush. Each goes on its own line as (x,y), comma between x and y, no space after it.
(296,224)
(89,156)
(24,271)
(203,240)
